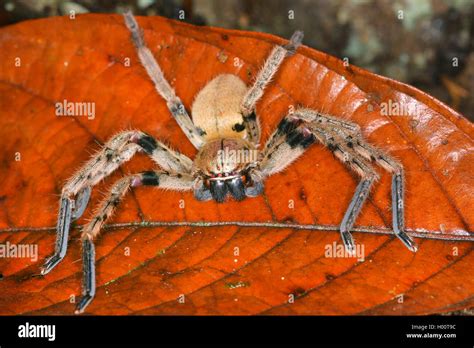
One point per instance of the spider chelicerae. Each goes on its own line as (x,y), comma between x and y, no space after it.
(224,122)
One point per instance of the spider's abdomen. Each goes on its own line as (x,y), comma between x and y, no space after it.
(216,109)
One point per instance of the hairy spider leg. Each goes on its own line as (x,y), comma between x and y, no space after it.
(116,151)
(398,190)
(302,128)
(264,77)
(165,180)
(174,103)
(88,275)
(62,235)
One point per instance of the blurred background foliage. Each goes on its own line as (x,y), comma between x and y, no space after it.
(425,43)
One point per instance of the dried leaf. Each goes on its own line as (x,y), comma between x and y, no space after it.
(192,251)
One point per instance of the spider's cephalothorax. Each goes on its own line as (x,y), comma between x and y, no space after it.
(225,130)
(222,167)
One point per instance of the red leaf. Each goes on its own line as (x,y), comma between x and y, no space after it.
(174,253)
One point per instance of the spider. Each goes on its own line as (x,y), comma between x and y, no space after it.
(224,120)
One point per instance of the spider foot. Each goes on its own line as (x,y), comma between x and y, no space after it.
(62,234)
(88,292)
(348,242)
(408,241)
(83,303)
(50,263)
(295,41)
